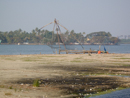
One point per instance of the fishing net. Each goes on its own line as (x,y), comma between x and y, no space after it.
(62,41)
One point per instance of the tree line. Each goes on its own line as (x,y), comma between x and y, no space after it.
(45,36)
(102,37)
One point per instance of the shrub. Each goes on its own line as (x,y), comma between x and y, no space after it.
(36,83)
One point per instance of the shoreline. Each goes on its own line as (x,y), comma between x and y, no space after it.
(67,54)
(44,49)
(62,75)
(67,44)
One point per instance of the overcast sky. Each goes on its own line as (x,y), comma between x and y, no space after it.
(79,15)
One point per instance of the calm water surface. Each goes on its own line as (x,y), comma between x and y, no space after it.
(117,94)
(44,49)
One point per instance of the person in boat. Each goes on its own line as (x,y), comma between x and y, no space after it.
(105,51)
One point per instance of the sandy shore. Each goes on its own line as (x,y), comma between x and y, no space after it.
(65,75)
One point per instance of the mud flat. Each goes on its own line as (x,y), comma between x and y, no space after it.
(62,76)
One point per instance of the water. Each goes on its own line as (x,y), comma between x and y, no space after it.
(44,49)
(24,49)
(117,94)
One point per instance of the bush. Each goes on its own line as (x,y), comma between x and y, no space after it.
(36,83)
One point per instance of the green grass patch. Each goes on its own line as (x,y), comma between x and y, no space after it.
(126,65)
(20,89)
(36,83)
(81,60)
(10,87)
(8,94)
(11,59)
(95,74)
(29,59)
(78,58)
(53,56)
(124,58)
(76,61)
(121,58)
(115,61)
(15,89)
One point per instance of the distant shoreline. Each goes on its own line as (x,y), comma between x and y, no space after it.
(67,44)
(45,49)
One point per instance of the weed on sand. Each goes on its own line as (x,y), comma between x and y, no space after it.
(121,58)
(8,94)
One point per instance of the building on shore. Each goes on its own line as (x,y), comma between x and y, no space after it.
(124,37)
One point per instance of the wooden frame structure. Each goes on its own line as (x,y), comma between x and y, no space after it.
(57,25)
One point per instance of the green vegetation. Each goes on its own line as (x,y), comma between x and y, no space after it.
(54,56)
(76,61)
(19,36)
(15,89)
(8,94)
(29,59)
(102,37)
(45,37)
(121,58)
(11,59)
(36,83)
(78,58)
(81,60)
(10,87)
(126,65)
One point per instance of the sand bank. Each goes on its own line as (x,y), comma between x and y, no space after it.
(65,75)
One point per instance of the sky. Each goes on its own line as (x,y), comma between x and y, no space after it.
(79,15)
